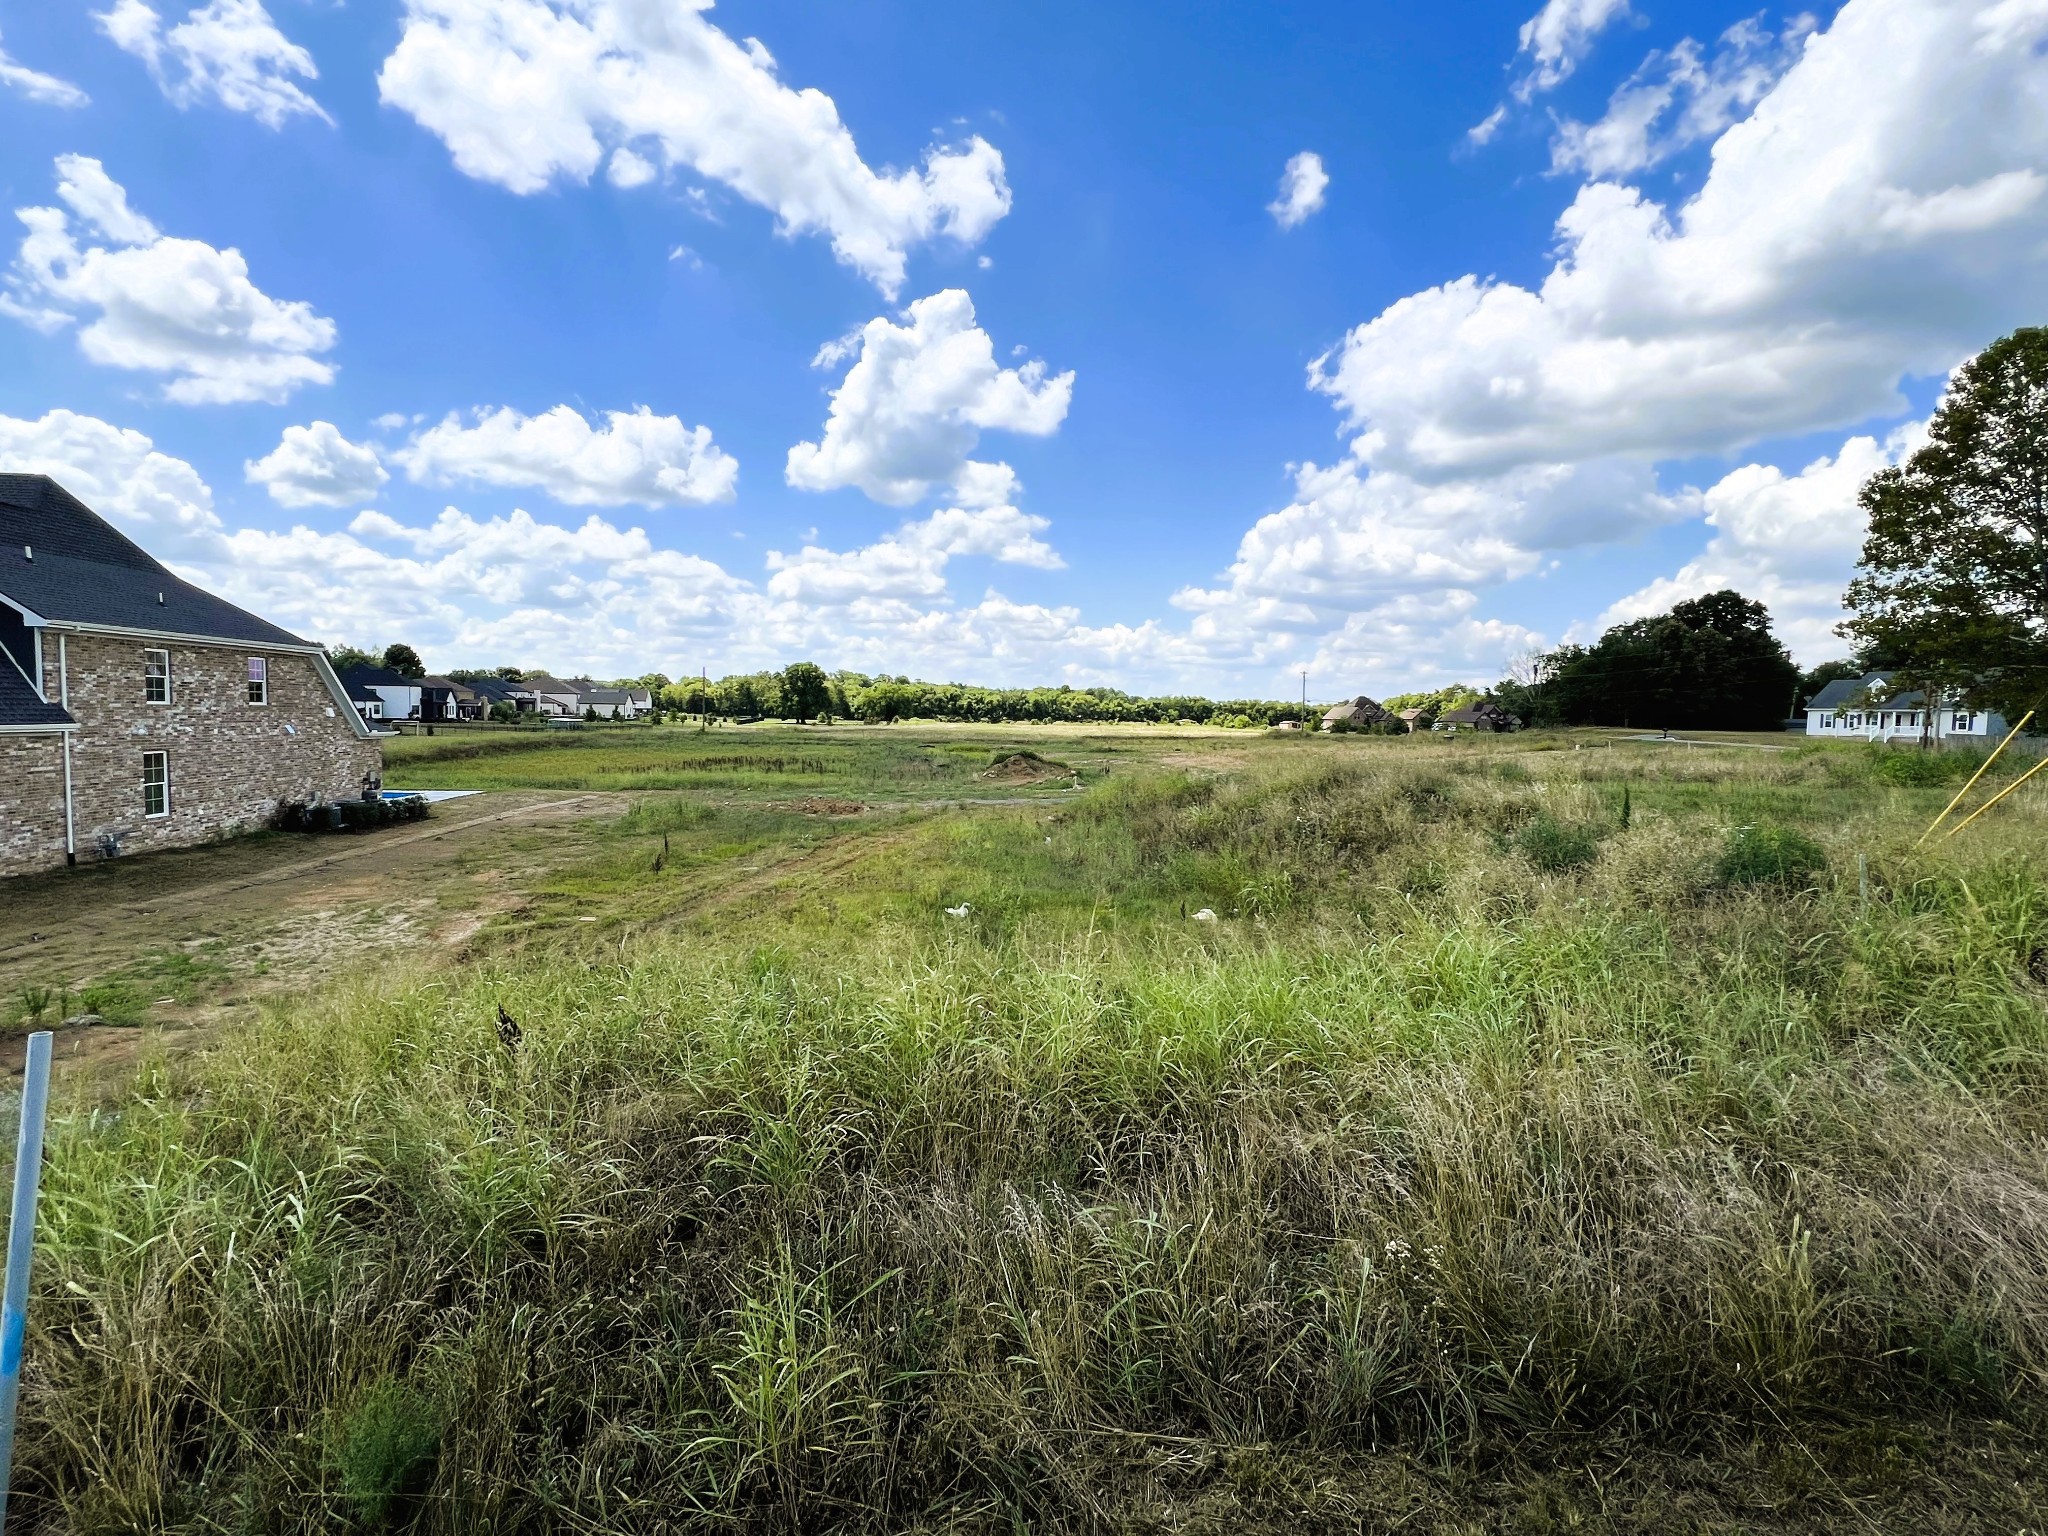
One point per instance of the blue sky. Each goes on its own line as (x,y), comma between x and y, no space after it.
(1085,398)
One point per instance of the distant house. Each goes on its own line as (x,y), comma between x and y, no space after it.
(1869,709)
(442,698)
(609,703)
(139,711)
(490,692)
(1486,715)
(1416,719)
(552,696)
(398,696)
(1360,713)
(367,702)
(642,700)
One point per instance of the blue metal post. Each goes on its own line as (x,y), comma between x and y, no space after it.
(21,1236)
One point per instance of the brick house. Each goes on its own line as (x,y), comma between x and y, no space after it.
(138,711)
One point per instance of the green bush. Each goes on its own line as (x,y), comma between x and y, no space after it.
(1770,856)
(1555,848)
(1920,770)
(384,1450)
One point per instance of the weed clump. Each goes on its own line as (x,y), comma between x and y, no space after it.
(1770,856)
(384,1450)
(1555,848)
(1924,770)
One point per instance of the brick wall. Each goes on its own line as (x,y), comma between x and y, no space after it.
(31,801)
(231,763)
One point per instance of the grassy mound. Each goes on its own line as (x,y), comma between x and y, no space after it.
(1440,1182)
(1025,768)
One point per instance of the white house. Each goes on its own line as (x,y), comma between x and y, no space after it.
(379,693)
(552,696)
(1866,709)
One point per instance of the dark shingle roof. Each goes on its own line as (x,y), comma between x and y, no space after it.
(20,704)
(84,571)
(377,677)
(1846,693)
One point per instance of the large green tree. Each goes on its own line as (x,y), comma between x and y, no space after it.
(404,660)
(1709,664)
(1953,583)
(806,691)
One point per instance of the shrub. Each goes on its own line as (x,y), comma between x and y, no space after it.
(384,1450)
(1554,848)
(1919,770)
(1770,856)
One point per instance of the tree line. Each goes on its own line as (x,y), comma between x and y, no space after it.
(806,691)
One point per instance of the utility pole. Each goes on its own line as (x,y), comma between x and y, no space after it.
(1304,697)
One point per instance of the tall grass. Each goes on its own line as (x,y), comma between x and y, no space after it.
(1431,1148)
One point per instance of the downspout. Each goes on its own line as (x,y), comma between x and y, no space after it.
(64,702)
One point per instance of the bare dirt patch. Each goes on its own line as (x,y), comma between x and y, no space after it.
(1025,768)
(823,805)
(269,916)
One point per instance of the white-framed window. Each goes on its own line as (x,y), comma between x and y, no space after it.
(1965,720)
(156,784)
(1827,722)
(156,677)
(259,680)
(1855,722)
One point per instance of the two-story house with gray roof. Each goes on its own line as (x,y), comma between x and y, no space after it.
(138,711)
(1868,708)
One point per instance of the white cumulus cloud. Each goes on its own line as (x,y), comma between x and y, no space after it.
(153,303)
(227,51)
(1789,541)
(1844,238)
(635,457)
(1557,39)
(911,562)
(526,92)
(37,86)
(159,501)
(315,466)
(1853,231)
(1302,185)
(1679,97)
(910,412)
(597,596)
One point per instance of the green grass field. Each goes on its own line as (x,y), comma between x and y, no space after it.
(875,763)
(1535,1136)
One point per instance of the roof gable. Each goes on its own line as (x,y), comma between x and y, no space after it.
(69,565)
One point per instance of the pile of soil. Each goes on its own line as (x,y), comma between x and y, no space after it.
(1026,768)
(819,805)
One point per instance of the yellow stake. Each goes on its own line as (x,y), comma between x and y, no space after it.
(1973,779)
(2015,784)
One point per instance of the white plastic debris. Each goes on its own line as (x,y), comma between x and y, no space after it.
(960,911)
(1205,916)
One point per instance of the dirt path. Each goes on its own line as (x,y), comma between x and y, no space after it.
(274,914)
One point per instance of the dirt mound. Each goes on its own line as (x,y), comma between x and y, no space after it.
(819,805)
(1026,768)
